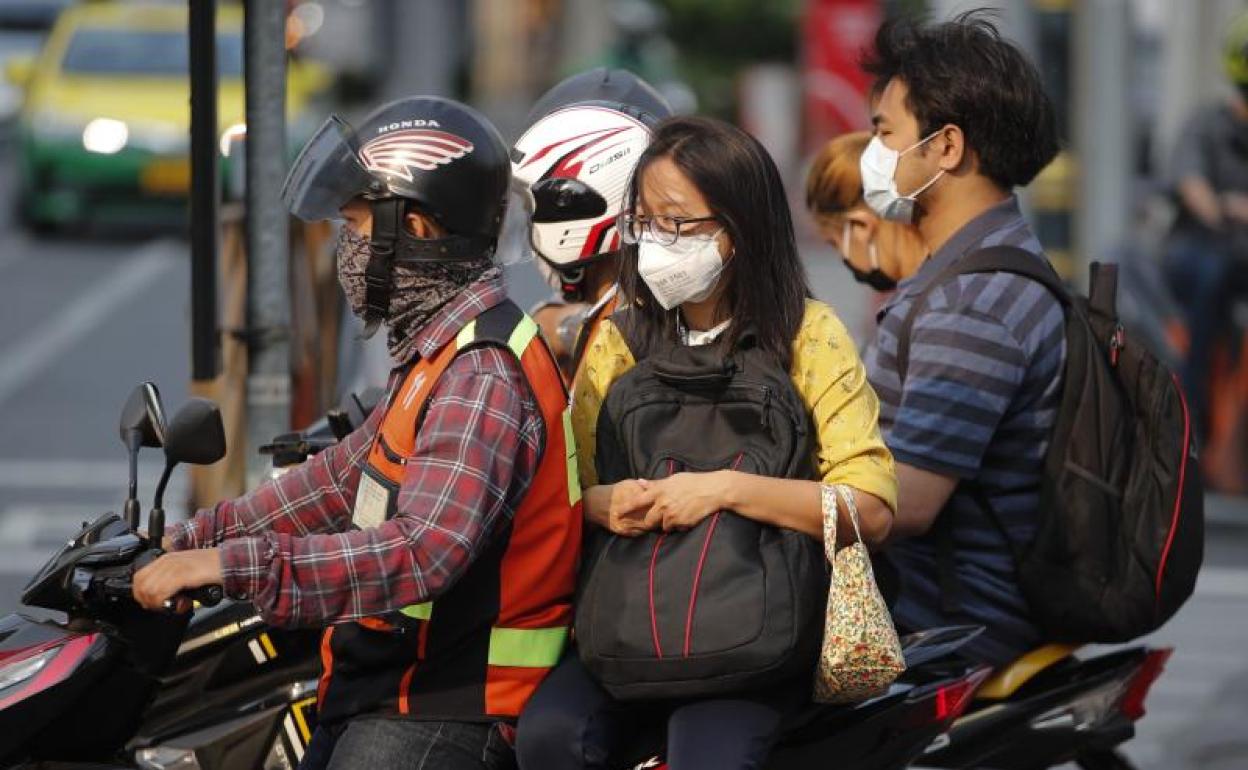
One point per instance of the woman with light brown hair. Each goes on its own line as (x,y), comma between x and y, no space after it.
(877,252)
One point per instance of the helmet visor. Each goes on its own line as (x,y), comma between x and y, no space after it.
(327,174)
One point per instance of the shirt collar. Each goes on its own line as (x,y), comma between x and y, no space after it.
(474,300)
(965,240)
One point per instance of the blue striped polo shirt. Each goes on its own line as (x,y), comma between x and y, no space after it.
(979,402)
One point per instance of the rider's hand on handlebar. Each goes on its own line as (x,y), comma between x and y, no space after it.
(175,572)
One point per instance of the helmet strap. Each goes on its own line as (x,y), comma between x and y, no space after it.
(378,281)
(452,248)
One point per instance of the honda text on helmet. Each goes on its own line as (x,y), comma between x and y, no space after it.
(434,155)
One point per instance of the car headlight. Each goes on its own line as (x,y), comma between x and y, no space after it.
(105,136)
(166,758)
(19,671)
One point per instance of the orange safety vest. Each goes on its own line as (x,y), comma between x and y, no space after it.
(481,648)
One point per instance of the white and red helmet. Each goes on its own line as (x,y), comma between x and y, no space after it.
(574,166)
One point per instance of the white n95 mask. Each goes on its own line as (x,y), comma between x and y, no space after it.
(685,271)
(878,166)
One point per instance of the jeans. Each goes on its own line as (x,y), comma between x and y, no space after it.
(571,722)
(1198,267)
(401,743)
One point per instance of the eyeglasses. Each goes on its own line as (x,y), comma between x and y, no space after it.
(662,230)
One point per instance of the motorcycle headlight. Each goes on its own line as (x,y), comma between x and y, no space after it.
(166,758)
(19,671)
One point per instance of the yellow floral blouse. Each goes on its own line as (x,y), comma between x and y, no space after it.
(828,375)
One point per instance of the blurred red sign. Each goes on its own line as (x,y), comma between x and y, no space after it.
(834,89)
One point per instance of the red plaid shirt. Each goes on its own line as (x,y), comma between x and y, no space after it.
(289,547)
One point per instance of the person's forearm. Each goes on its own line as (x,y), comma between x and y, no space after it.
(596,504)
(797,505)
(1200,199)
(921,495)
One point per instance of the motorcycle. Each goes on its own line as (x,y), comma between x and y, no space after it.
(1051,707)
(114,685)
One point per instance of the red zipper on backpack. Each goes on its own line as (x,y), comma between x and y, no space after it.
(654,619)
(1178,498)
(697,574)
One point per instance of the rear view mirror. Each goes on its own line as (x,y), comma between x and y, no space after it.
(20,70)
(196,435)
(143,417)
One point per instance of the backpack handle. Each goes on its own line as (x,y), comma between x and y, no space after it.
(680,374)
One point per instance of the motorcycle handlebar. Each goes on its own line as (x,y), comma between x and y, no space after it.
(208,596)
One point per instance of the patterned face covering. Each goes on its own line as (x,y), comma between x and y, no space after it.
(420,289)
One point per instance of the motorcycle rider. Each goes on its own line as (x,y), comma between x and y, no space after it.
(1210,177)
(961,120)
(572,163)
(439,541)
(876,252)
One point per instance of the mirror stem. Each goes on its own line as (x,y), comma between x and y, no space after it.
(159,502)
(133,441)
(156,526)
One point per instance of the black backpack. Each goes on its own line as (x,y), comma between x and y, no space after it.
(1121,530)
(730,605)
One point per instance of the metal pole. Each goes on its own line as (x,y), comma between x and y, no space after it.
(205,191)
(1102,126)
(268,248)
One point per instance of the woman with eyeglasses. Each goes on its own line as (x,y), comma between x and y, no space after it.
(712,252)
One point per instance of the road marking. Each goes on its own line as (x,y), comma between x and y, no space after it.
(22,362)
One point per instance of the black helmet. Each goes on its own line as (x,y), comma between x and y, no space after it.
(443,155)
(613,86)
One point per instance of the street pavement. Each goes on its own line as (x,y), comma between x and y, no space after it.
(82,320)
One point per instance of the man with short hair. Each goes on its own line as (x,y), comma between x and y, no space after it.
(960,122)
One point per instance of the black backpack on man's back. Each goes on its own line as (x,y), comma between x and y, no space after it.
(1121,528)
(732,604)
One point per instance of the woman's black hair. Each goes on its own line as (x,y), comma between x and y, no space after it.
(962,72)
(766,282)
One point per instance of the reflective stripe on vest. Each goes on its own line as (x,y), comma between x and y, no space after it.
(527,647)
(514,647)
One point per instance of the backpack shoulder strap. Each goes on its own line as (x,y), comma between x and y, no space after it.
(627,322)
(993,259)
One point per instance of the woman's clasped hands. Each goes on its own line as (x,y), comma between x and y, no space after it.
(676,503)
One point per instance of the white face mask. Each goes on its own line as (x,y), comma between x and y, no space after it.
(878,165)
(686,271)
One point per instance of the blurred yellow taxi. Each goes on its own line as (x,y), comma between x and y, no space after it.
(104,129)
